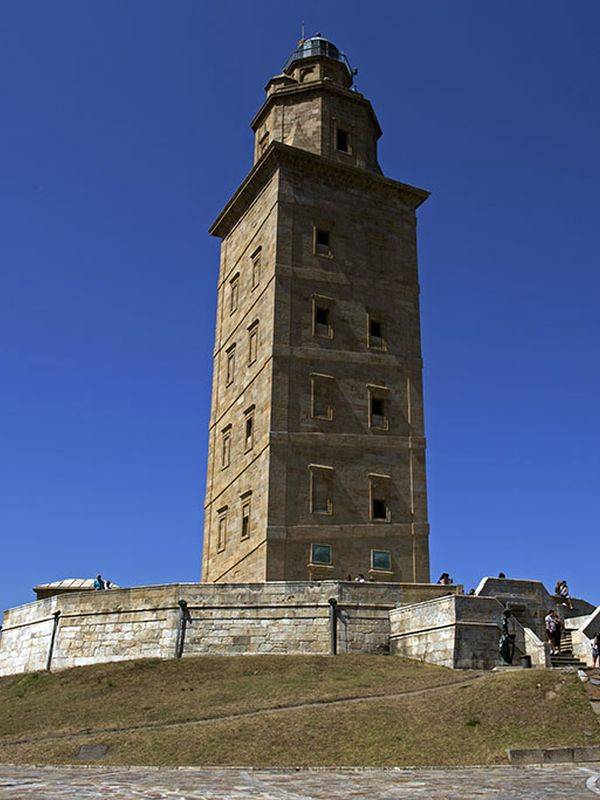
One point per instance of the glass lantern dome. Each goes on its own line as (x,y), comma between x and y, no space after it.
(317,45)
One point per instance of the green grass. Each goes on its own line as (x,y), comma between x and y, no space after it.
(44,717)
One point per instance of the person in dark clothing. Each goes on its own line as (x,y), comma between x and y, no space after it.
(596,650)
(558,632)
(99,584)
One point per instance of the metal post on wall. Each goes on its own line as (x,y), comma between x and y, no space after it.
(56,616)
(333,618)
(184,618)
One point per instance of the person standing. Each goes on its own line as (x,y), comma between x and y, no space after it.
(565,595)
(558,631)
(550,623)
(596,650)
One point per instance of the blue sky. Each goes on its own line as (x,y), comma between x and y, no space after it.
(125,128)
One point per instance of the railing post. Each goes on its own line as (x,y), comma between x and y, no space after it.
(56,616)
(333,617)
(183,618)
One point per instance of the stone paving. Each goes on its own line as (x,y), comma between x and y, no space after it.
(143,783)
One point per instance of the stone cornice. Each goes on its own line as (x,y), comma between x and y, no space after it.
(278,154)
(311,88)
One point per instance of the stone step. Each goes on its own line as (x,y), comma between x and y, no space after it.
(564,661)
(564,657)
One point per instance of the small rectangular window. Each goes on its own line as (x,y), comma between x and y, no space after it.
(378,413)
(245,532)
(230,365)
(381,560)
(379,488)
(342,141)
(307,74)
(234,293)
(222,529)
(256,258)
(379,508)
(226,447)
(375,338)
(249,431)
(322,318)
(321,396)
(320,554)
(322,242)
(321,494)
(378,407)
(252,342)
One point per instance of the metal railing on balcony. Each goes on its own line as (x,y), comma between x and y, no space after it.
(317,46)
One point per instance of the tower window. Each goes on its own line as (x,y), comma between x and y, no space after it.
(306,74)
(322,242)
(246,509)
(249,430)
(230,365)
(322,321)
(234,293)
(222,529)
(321,485)
(379,489)
(342,141)
(252,342)
(226,447)
(379,508)
(378,414)
(381,560)
(322,317)
(376,339)
(256,258)
(320,554)
(378,398)
(321,400)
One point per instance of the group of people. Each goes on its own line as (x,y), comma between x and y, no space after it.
(554,629)
(100,584)
(446,580)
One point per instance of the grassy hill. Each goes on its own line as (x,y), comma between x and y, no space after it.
(289,710)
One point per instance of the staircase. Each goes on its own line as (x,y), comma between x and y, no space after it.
(566,658)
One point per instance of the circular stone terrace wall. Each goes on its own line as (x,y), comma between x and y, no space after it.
(72,630)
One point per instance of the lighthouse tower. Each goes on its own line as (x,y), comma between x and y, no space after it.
(316,465)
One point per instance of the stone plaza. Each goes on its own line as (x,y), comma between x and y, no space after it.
(485,783)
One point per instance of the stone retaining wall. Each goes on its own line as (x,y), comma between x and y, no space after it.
(227,619)
(460,632)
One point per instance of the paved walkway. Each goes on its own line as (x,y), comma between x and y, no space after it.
(140,783)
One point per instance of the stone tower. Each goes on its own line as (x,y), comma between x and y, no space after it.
(316,464)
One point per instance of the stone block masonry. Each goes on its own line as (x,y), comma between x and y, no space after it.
(460,632)
(316,461)
(226,619)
